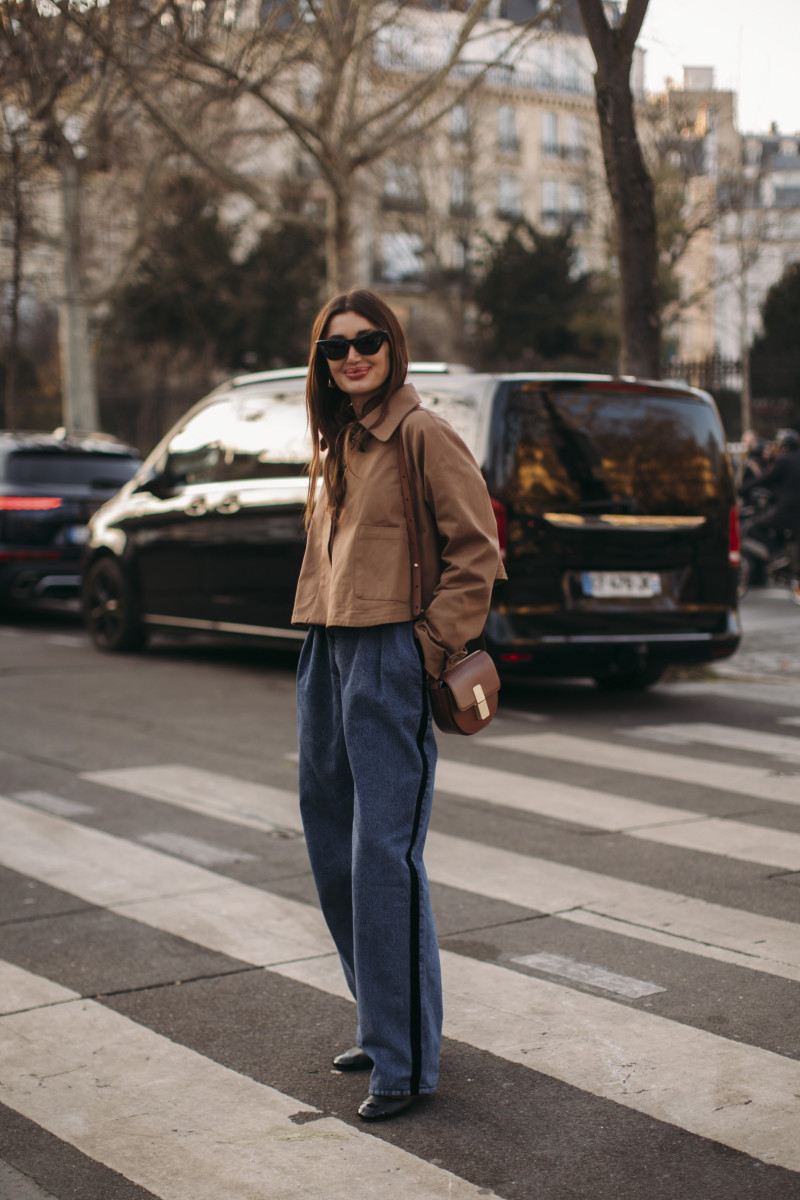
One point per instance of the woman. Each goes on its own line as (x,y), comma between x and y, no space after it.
(367,752)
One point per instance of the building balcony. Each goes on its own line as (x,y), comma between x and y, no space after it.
(508,145)
(571,154)
(407,204)
(557,218)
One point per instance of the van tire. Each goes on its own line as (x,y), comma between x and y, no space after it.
(109,609)
(630,681)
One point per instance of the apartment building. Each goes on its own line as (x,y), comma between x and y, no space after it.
(742,197)
(516,137)
(519,140)
(759,233)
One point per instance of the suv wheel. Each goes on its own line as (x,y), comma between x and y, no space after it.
(109,609)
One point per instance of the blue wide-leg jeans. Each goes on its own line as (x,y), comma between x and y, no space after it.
(367,760)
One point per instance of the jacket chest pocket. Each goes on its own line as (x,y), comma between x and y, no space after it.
(383,569)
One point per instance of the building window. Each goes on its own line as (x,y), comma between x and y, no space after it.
(576,205)
(459,123)
(549,135)
(459,191)
(752,152)
(401,190)
(507,138)
(575,150)
(458,255)
(401,257)
(551,208)
(508,202)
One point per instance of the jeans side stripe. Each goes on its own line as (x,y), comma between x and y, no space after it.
(415,989)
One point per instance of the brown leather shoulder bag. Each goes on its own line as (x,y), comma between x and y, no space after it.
(464,698)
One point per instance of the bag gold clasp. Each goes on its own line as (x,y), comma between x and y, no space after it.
(480,706)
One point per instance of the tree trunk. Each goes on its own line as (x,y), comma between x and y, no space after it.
(340,255)
(12,361)
(631,189)
(78,388)
(745,403)
(629,184)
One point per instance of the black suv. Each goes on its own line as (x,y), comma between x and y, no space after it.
(50,485)
(613,497)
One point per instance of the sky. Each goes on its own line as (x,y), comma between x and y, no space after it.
(753,46)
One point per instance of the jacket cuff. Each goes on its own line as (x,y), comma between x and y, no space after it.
(434,655)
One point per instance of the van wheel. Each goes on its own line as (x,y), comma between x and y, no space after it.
(109,609)
(630,681)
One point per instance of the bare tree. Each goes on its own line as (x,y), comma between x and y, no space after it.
(17,165)
(341,83)
(78,113)
(745,229)
(629,183)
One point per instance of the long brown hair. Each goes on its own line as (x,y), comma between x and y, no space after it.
(333,425)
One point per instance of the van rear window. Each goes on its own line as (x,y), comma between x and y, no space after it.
(605,451)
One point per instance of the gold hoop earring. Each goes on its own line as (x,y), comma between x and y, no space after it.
(331,384)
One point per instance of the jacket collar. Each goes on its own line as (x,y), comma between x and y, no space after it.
(382,421)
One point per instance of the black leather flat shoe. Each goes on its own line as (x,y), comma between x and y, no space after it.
(353,1060)
(380,1108)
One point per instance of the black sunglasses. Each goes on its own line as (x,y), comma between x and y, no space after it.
(364,343)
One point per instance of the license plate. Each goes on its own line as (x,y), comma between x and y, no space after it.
(610,585)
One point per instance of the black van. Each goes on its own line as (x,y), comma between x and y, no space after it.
(617,515)
(613,497)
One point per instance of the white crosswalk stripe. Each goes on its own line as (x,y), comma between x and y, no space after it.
(756,782)
(64,1055)
(248,803)
(741,1096)
(645,913)
(726,737)
(619,814)
(177,1123)
(583,897)
(206,792)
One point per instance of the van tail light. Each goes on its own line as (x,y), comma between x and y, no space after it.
(29,503)
(500,516)
(37,555)
(734,538)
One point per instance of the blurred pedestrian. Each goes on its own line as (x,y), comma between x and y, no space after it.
(367,751)
(781,478)
(751,463)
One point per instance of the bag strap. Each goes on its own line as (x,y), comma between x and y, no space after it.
(413,541)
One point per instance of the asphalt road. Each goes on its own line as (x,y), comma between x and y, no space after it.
(617,888)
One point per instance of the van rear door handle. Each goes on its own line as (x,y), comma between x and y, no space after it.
(229,504)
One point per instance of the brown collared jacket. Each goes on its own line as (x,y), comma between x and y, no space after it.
(360,575)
